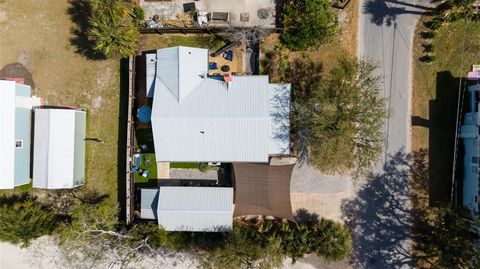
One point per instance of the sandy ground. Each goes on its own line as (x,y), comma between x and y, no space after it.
(43,254)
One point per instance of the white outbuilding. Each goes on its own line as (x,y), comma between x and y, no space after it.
(193,209)
(59,148)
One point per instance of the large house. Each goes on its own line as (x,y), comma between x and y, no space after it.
(198,118)
(15,121)
(229,119)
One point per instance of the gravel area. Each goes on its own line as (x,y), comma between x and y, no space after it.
(307,179)
(192,174)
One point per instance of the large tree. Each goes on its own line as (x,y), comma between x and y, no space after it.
(338,120)
(308,23)
(448,238)
(113,27)
(23,220)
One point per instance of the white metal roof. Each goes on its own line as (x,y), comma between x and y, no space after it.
(59,148)
(208,209)
(148,203)
(279,109)
(214,123)
(151,62)
(181,69)
(7,134)
(201,119)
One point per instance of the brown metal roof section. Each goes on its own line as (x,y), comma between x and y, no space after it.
(262,189)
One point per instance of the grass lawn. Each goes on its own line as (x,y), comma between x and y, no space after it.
(155,41)
(37,34)
(184,165)
(435,93)
(148,163)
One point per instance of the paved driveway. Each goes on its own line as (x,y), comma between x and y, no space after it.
(319,193)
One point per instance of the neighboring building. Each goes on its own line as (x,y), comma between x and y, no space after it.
(469,133)
(197,118)
(15,120)
(194,209)
(59,148)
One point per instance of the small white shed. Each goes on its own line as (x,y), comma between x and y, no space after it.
(194,209)
(59,148)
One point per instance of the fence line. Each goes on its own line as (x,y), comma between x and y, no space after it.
(203,30)
(130,180)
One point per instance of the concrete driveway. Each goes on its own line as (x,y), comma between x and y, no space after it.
(319,193)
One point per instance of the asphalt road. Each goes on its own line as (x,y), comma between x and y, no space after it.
(380,216)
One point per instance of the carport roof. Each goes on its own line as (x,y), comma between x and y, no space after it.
(262,189)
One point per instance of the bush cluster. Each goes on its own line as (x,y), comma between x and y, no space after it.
(23,219)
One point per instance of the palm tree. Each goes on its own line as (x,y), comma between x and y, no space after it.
(456,9)
(112,28)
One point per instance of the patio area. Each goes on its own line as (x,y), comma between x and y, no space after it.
(243,13)
(230,61)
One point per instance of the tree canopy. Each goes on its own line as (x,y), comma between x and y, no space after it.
(308,23)
(113,27)
(23,220)
(338,120)
(449,239)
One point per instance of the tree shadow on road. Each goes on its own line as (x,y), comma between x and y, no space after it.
(387,11)
(380,218)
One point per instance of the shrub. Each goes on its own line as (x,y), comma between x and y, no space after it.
(203,167)
(428,58)
(429,47)
(333,240)
(25,220)
(434,24)
(429,34)
(240,250)
(138,15)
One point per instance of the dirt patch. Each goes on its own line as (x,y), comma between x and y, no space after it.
(17,70)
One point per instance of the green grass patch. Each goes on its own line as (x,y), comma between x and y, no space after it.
(184,165)
(148,163)
(25,188)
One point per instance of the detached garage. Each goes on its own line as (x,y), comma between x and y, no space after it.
(59,148)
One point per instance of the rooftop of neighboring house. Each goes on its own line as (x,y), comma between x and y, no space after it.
(196,117)
(15,118)
(59,148)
